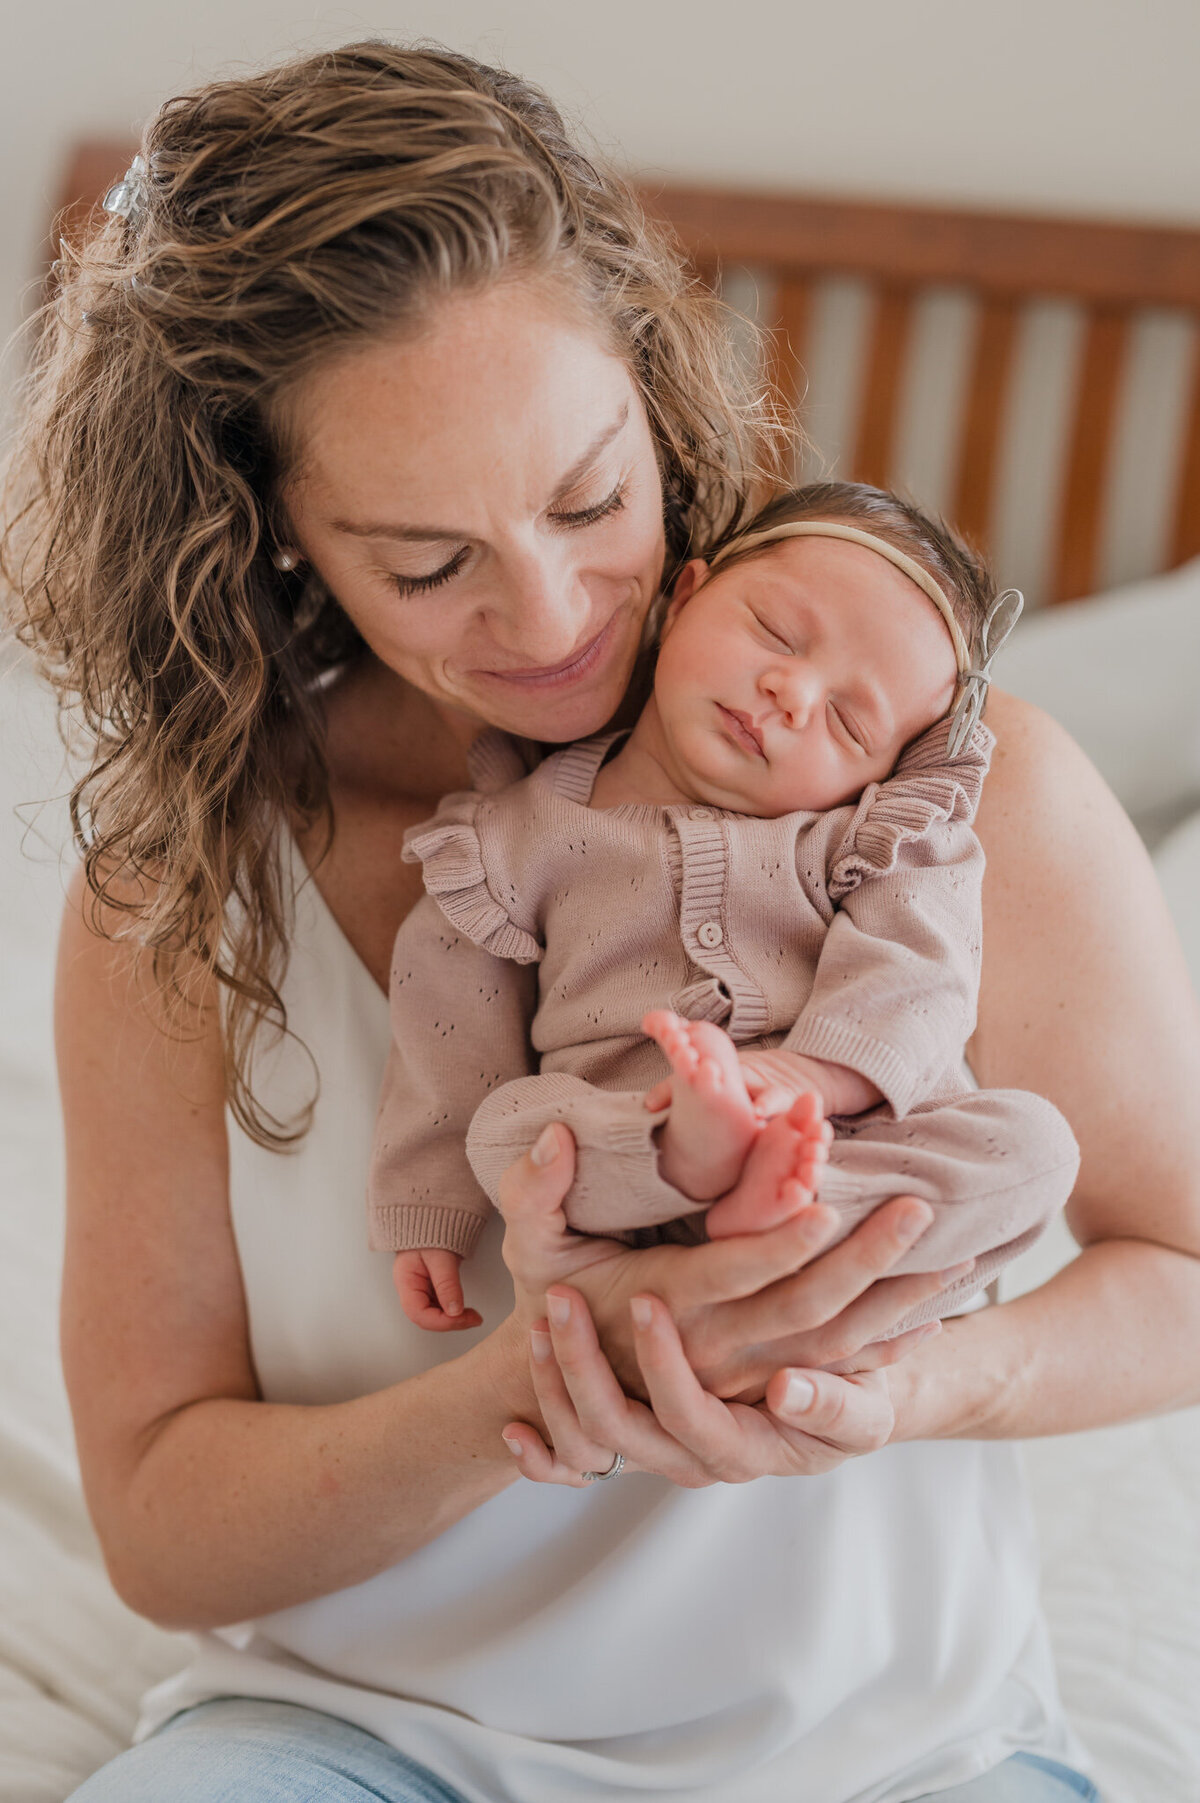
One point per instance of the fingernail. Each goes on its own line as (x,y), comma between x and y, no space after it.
(958,1270)
(546,1147)
(930,1328)
(454,1308)
(514,1446)
(540,1346)
(559,1310)
(798,1396)
(913,1222)
(641,1311)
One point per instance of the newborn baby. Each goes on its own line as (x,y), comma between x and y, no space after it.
(765,896)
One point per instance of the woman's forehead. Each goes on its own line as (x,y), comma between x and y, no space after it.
(504,390)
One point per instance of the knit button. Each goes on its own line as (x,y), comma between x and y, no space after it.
(709,934)
(701,814)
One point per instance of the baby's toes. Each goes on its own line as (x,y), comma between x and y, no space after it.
(712,1044)
(709,1081)
(806,1112)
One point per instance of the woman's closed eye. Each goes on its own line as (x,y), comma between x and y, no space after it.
(577,517)
(589,516)
(421,585)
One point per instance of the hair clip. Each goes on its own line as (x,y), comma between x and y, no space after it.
(127,198)
(1001,617)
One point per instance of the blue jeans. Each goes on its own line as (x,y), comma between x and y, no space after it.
(240,1750)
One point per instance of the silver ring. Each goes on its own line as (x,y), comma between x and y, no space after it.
(614,1470)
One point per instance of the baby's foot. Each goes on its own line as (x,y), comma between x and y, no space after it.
(781,1175)
(427,1283)
(712,1124)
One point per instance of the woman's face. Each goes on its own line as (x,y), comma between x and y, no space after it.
(484,501)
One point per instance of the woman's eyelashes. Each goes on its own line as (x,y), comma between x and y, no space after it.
(421,585)
(600,510)
(577,517)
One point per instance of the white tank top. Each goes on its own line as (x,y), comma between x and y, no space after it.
(861,1637)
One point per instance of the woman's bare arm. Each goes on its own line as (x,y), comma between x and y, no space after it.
(1086,1000)
(210,1504)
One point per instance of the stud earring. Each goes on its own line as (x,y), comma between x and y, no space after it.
(286,559)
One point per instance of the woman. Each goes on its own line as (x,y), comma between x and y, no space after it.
(372,415)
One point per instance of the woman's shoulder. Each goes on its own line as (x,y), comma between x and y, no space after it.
(1043,792)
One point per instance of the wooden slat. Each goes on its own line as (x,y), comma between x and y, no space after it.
(1094,261)
(880,406)
(1089,454)
(983,417)
(1185,536)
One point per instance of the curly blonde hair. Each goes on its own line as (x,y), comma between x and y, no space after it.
(280,218)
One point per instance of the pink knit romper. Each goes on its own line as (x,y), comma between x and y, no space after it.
(549,928)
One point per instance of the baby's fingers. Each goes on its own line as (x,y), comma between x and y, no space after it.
(419,1298)
(443,1272)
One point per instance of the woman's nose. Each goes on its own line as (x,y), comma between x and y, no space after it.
(794,687)
(540,610)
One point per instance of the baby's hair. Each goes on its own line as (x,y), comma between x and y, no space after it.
(960,571)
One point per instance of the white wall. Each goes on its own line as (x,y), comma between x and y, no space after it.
(1077,104)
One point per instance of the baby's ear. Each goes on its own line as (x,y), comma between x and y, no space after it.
(692,576)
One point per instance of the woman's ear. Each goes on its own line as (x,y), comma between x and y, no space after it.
(692,576)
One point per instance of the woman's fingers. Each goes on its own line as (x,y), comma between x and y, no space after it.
(608,1420)
(539,1248)
(532,1189)
(702,1426)
(570,1452)
(821,1419)
(851,1415)
(821,1293)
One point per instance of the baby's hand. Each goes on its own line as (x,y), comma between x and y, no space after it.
(430,1292)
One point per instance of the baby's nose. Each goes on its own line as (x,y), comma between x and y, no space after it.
(794,686)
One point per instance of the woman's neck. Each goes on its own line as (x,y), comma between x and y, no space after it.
(388,739)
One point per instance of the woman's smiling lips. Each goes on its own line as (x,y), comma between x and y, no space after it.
(743,730)
(559,675)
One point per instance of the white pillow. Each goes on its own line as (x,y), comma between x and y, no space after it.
(1121,673)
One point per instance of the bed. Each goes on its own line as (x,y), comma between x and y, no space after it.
(915,344)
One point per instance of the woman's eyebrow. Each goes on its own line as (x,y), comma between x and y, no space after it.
(579,469)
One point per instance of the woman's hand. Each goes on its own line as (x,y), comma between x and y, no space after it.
(810,1422)
(744,1307)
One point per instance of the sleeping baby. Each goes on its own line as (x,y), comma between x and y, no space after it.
(772,882)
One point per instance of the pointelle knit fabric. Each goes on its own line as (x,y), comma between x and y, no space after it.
(549,929)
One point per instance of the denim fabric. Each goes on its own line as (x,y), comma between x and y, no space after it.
(242,1750)
(1025,1778)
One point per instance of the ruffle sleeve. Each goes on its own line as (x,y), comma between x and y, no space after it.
(928,789)
(449,851)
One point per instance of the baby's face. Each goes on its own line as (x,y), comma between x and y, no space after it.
(796,676)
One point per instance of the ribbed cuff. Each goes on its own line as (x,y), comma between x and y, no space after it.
(396,1227)
(835,1042)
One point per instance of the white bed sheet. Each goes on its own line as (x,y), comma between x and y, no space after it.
(1117,1508)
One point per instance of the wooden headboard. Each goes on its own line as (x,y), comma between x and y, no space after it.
(783,256)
